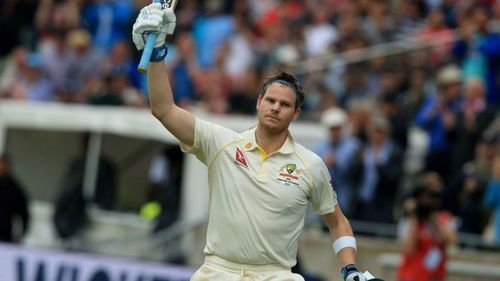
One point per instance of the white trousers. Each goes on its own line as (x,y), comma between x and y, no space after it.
(217,269)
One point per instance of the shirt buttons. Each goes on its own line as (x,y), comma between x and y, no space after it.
(262,174)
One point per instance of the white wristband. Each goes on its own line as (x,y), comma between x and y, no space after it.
(344,242)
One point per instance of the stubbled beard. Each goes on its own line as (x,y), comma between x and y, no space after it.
(275,130)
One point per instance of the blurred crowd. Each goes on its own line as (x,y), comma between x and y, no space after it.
(382,113)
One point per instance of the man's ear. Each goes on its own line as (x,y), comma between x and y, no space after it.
(297,113)
(259,99)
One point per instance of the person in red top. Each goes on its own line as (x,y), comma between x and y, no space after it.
(425,233)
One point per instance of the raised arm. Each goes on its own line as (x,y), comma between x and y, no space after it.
(178,121)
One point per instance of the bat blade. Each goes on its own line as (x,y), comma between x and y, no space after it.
(150,41)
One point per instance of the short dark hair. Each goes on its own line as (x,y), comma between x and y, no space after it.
(286,79)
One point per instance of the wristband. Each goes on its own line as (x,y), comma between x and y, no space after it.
(344,242)
(159,53)
(348,269)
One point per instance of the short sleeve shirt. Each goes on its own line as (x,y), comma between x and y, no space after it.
(257,202)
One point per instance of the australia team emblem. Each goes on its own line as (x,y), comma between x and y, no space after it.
(290,168)
(289,175)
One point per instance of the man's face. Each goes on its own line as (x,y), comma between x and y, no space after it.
(335,133)
(276,108)
(452,90)
(378,136)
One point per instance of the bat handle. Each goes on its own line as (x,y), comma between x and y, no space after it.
(148,49)
(146,53)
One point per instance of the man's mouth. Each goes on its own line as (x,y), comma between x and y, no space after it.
(273,117)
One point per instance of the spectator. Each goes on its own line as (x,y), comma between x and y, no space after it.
(33,85)
(320,35)
(340,153)
(240,51)
(104,93)
(57,58)
(54,15)
(187,13)
(15,64)
(107,22)
(437,117)
(86,64)
(119,62)
(382,169)
(425,232)
(379,25)
(471,122)
(210,31)
(390,108)
(434,30)
(214,85)
(473,29)
(355,78)
(185,71)
(360,113)
(418,91)
(13,205)
(490,49)
(467,189)
(464,194)
(409,18)
(320,99)
(242,95)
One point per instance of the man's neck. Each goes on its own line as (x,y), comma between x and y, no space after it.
(268,141)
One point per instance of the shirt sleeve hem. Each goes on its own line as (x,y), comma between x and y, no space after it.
(326,211)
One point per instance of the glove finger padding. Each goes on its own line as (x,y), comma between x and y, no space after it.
(169,19)
(153,19)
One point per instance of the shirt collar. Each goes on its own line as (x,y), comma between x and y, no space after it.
(250,143)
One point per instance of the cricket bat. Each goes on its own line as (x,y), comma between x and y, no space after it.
(150,41)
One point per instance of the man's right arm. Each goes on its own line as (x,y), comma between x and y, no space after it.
(178,121)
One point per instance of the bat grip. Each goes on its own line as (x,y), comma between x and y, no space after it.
(148,49)
(146,53)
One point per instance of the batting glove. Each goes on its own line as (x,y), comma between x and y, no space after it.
(153,18)
(351,273)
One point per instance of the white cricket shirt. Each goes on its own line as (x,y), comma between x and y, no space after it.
(257,202)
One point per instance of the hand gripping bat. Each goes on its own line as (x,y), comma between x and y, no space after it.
(150,41)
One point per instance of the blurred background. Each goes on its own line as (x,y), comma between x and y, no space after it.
(402,96)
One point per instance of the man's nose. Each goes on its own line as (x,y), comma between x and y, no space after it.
(276,107)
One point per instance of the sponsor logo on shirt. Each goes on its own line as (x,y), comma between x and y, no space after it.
(289,174)
(240,158)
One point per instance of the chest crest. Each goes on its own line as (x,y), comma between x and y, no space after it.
(289,174)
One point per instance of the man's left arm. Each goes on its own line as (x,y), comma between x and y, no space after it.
(344,244)
(324,202)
